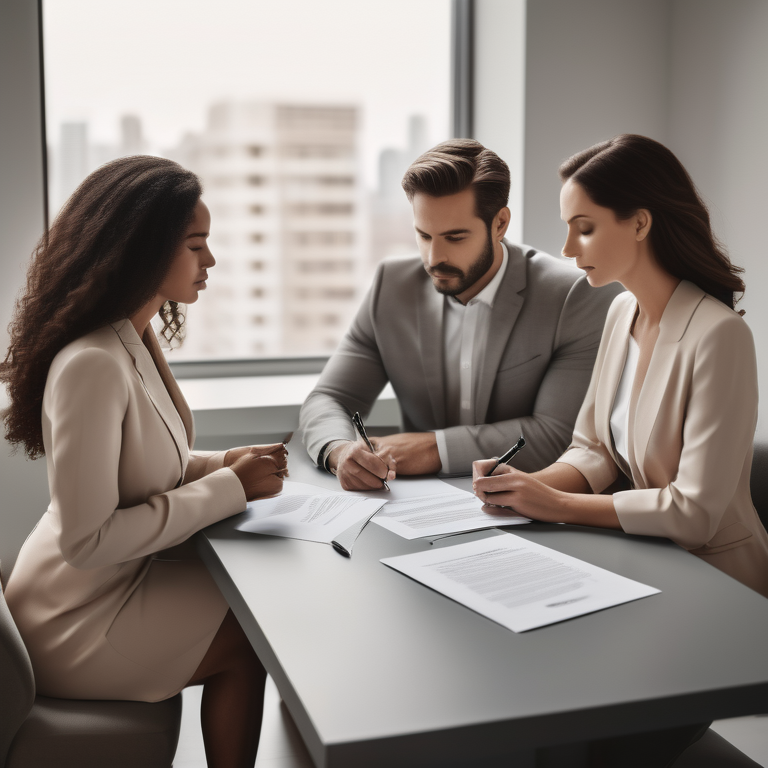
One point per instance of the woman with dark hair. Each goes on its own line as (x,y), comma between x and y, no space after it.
(671,410)
(105,613)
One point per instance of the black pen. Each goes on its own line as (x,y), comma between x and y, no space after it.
(360,427)
(509,455)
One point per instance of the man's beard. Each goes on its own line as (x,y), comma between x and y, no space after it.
(466,279)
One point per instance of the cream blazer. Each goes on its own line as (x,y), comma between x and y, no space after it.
(101,613)
(691,429)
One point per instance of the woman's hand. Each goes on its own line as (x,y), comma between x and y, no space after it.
(508,487)
(260,468)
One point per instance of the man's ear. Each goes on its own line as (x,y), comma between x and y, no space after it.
(643,222)
(501,223)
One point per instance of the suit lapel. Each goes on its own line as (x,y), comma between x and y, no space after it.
(674,322)
(430,309)
(171,385)
(155,387)
(506,308)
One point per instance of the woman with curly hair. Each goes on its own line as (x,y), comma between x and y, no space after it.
(104,612)
(671,411)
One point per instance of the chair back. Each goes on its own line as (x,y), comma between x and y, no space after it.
(17,683)
(758,480)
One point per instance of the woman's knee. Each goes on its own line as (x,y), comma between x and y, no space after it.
(229,651)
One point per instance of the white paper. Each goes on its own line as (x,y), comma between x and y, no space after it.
(407,488)
(307,512)
(448,511)
(518,583)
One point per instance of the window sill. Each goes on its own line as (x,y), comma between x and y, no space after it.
(247,405)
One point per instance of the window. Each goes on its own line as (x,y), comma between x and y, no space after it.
(299,132)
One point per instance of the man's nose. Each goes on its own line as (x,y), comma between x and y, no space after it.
(435,255)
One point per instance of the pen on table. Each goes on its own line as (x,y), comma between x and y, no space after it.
(360,427)
(509,455)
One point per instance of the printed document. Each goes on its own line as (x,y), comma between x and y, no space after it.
(447,510)
(308,512)
(518,583)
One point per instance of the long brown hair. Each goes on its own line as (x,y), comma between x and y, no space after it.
(103,258)
(631,172)
(458,164)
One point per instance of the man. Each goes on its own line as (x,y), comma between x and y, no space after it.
(482,340)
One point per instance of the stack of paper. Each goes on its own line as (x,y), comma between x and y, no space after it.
(307,512)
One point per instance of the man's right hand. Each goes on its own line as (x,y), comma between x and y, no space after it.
(360,470)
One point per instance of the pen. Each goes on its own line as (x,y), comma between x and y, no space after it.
(509,455)
(360,427)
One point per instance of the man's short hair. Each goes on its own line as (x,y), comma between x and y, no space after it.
(458,164)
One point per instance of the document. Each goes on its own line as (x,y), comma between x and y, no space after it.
(308,512)
(518,583)
(408,488)
(448,510)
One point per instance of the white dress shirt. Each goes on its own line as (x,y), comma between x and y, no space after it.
(620,411)
(465,337)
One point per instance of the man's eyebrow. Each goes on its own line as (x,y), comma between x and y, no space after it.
(197,234)
(455,232)
(447,232)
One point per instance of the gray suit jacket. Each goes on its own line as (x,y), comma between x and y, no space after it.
(546,325)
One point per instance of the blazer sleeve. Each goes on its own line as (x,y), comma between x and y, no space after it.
(718,431)
(548,428)
(88,401)
(202,463)
(351,381)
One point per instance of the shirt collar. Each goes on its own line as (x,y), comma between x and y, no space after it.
(488,294)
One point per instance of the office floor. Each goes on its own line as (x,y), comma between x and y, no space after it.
(281,745)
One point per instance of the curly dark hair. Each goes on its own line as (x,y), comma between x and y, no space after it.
(630,172)
(103,258)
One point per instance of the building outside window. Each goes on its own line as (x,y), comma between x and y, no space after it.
(300,118)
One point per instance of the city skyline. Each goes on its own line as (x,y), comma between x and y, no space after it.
(295,233)
(391,59)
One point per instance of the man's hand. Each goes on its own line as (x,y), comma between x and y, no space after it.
(414,452)
(358,469)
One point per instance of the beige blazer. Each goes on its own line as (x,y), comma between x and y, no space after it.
(691,429)
(102,615)
(545,331)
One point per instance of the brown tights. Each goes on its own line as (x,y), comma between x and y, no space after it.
(233,681)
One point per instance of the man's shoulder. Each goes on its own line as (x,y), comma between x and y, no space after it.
(401,270)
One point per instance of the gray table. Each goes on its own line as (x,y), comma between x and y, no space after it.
(378,670)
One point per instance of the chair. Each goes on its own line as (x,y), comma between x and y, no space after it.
(38,731)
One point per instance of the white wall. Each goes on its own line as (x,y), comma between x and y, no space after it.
(500,92)
(718,126)
(21,164)
(594,68)
(23,485)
